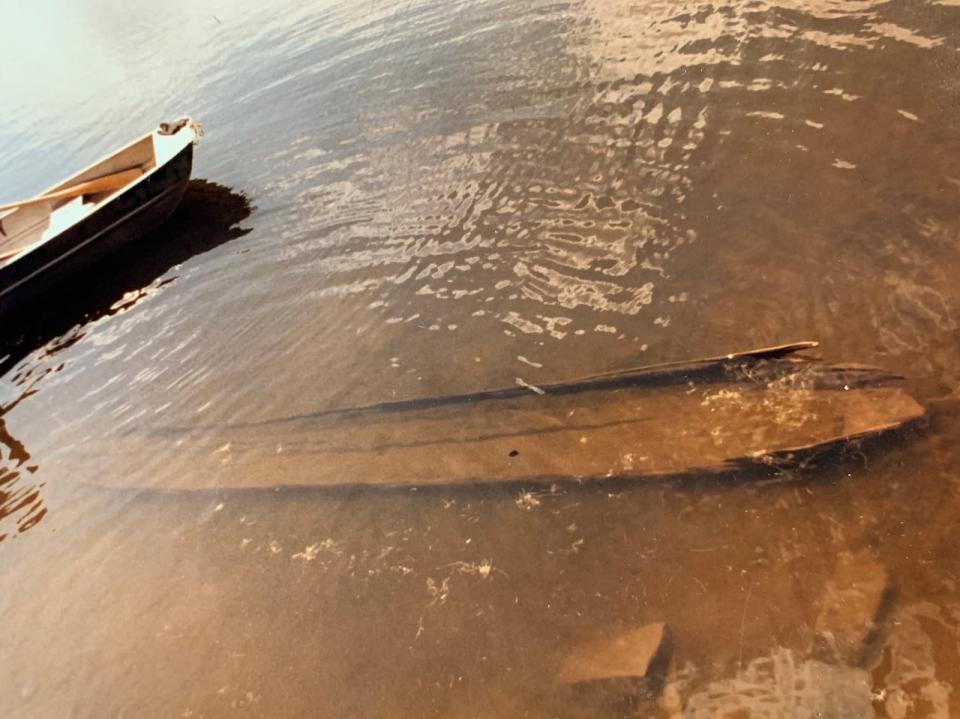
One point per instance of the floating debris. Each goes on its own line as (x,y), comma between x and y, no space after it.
(308,554)
(527,500)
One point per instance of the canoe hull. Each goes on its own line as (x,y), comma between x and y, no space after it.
(709,417)
(45,271)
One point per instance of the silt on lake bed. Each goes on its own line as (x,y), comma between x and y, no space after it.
(451,199)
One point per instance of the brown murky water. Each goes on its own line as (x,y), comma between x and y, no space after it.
(448,197)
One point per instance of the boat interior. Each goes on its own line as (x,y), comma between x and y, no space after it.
(32,222)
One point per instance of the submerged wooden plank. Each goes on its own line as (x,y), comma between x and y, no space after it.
(857,598)
(710,416)
(621,671)
(637,654)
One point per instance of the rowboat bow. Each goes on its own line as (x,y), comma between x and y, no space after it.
(49,238)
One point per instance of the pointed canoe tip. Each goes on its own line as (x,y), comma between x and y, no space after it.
(774,351)
(801,345)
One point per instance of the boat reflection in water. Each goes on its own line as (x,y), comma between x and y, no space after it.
(20,501)
(208,216)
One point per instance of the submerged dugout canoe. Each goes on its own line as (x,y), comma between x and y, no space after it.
(763,407)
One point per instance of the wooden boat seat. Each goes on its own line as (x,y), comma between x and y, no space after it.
(55,221)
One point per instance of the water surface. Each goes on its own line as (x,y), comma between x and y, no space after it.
(449,197)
